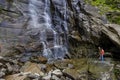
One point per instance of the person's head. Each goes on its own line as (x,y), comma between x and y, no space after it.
(99,47)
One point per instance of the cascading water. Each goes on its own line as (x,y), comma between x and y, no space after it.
(53,45)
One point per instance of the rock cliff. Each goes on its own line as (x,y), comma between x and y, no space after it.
(86,28)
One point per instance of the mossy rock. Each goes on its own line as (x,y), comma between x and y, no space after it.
(79,71)
(101,70)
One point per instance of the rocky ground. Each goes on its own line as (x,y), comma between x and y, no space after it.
(39,68)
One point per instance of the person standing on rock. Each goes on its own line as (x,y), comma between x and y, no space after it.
(101,52)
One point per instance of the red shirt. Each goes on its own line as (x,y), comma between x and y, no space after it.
(102,52)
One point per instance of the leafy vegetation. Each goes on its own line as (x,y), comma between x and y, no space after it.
(109,7)
(117,73)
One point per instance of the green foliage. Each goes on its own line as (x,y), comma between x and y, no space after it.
(0,9)
(114,18)
(107,6)
(117,72)
(10,1)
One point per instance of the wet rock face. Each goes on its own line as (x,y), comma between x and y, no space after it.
(111,40)
(113,32)
(78,22)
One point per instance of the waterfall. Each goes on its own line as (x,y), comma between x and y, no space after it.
(53,45)
(65,16)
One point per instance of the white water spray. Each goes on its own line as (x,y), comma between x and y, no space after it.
(40,18)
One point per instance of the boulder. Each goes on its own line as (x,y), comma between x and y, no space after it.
(57,72)
(101,70)
(15,77)
(112,31)
(2,74)
(42,59)
(33,68)
(39,59)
